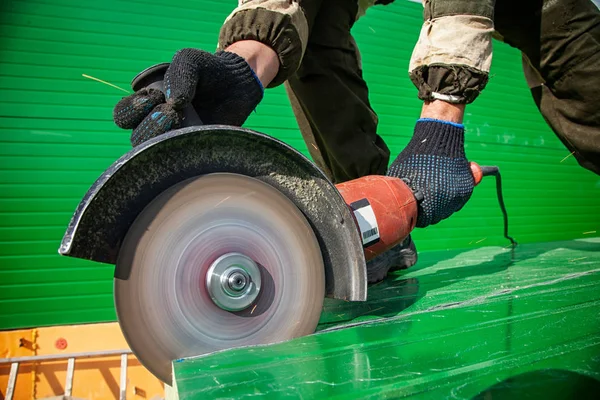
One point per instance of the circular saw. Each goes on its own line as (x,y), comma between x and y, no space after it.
(224,237)
(217,261)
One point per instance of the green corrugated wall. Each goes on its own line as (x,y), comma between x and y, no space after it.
(57,136)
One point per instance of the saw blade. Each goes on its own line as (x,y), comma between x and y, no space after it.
(165,309)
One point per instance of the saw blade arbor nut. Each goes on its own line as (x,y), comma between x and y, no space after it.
(233,281)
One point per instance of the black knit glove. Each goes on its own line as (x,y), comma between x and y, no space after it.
(434,164)
(222,88)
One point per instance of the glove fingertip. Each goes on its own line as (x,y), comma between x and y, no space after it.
(181,78)
(162,118)
(131,110)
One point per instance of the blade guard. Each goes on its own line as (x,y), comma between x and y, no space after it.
(112,203)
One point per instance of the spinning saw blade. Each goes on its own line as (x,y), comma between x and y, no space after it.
(217,261)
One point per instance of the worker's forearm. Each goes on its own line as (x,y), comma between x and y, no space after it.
(438,109)
(262,59)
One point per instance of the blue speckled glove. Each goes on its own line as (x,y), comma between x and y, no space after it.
(434,164)
(222,88)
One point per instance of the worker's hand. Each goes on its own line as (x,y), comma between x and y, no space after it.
(434,165)
(222,87)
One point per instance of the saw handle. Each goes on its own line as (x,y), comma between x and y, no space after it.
(385,208)
(153,78)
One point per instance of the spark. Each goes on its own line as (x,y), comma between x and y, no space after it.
(378,283)
(481,240)
(567,157)
(578,259)
(370,311)
(221,202)
(253,308)
(589,232)
(106,83)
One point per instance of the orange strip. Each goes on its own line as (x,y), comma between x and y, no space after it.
(94,378)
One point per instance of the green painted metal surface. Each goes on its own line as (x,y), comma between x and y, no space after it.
(57,136)
(477,324)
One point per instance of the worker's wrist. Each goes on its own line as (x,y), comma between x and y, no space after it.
(443,111)
(261,58)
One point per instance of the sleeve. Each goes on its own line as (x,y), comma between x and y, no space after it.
(452,57)
(280,24)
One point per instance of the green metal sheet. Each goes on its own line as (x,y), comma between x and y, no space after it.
(478,324)
(57,136)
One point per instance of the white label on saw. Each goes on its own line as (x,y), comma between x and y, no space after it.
(367,223)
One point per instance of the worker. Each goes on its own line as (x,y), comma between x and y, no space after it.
(307,46)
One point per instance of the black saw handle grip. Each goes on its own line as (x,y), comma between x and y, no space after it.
(153,77)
